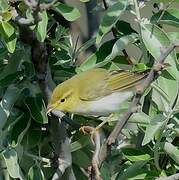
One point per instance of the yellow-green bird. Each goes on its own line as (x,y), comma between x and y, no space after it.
(95,92)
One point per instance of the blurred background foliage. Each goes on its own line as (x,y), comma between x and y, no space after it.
(80,35)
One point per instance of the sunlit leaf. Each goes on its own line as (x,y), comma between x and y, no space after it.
(42,27)
(11,160)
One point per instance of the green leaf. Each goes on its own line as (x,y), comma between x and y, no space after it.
(80,143)
(85,46)
(7,28)
(4,5)
(154,127)
(119,45)
(34,137)
(135,155)
(97,57)
(110,18)
(35,173)
(154,39)
(140,118)
(9,79)
(170,17)
(172,151)
(11,160)
(10,97)
(163,95)
(37,109)
(42,26)
(8,34)
(81,159)
(132,171)
(19,129)
(13,65)
(173,35)
(68,12)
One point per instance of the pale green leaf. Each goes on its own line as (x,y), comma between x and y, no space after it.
(172,151)
(155,125)
(11,160)
(10,97)
(42,26)
(170,17)
(110,18)
(155,39)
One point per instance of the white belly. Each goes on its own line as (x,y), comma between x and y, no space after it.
(105,105)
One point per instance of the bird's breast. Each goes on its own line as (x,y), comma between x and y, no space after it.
(105,105)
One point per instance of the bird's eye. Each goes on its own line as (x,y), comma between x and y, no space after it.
(62,100)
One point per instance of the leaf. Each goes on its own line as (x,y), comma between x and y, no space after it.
(42,26)
(4,5)
(172,151)
(8,34)
(135,155)
(119,45)
(37,109)
(81,159)
(80,143)
(173,35)
(68,12)
(85,46)
(170,17)
(11,160)
(35,173)
(131,171)
(97,57)
(13,65)
(163,95)
(7,28)
(10,97)
(19,129)
(110,18)
(154,39)
(155,125)
(34,137)
(9,79)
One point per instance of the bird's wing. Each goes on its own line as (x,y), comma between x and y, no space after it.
(123,80)
(107,82)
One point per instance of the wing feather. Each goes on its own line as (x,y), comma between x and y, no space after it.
(106,82)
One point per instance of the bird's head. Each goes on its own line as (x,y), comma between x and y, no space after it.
(62,98)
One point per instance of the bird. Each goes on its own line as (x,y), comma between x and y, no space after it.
(95,92)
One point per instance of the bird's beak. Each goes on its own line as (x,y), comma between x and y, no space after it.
(50,108)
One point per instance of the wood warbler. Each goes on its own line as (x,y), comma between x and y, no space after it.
(94,92)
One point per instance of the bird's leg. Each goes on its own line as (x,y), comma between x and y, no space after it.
(101,124)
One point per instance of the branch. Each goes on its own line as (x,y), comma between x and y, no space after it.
(59,139)
(153,74)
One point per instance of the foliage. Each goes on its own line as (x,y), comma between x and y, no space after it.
(151,149)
